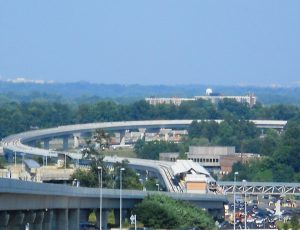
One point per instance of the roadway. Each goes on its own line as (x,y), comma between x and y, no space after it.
(52,206)
(18,142)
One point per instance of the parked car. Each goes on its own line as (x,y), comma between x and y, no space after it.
(87,226)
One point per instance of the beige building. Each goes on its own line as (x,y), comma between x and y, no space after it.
(218,159)
(196,183)
(209,156)
(168,156)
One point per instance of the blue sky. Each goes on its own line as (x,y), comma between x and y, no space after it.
(152,42)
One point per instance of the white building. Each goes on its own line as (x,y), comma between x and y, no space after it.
(249,99)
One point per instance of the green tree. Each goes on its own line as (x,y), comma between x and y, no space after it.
(294,222)
(151,149)
(173,214)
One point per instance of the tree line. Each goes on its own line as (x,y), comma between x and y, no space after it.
(16,117)
(281,158)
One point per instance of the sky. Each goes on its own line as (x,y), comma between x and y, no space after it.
(170,42)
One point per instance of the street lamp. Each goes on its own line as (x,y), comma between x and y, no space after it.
(157,186)
(15,159)
(234,184)
(100,196)
(245,187)
(121,170)
(65,161)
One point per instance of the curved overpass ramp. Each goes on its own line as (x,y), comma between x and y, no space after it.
(19,143)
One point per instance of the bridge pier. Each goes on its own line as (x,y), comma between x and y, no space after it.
(143,132)
(61,219)
(117,217)
(47,221)
(29,217)
(104,218)
(4,219)
(76,138)
(73,217)
(122,137)
(38,222)
(46,143)
(15,220)
(84,215)
(65,143)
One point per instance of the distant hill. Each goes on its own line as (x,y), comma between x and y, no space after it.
(79,92)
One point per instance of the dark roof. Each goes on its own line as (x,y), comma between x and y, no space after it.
(31,163)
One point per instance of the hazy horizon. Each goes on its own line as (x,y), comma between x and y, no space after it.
(232,43)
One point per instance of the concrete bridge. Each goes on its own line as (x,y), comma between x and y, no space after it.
(25,142)
(62,207)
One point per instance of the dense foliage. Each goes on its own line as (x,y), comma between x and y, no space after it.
(151,149)
(16,117)
(110,175)
(231,132)
(281,158)
(281,152)
(158,211)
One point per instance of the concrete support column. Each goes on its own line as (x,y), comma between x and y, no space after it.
(74,215)
(62,219)
(29,217)
(117,217)
(65,142)
(76,137)
(46,143)
(104,219)
(4,219)
(47,221)
(122,137)
(166,137)
(84,215)
(15,220)
(38,222)
(143,133)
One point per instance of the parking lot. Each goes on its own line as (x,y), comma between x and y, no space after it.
(261,212)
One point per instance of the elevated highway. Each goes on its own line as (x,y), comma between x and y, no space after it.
(20,142)
(61,207)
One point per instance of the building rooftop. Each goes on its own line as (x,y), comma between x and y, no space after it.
(31,163)
(184,166)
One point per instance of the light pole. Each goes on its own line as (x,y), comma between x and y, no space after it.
(65,161)
(15,159)
(100,196)
(157,186)
(121,170)
(245,187)
(234,184)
